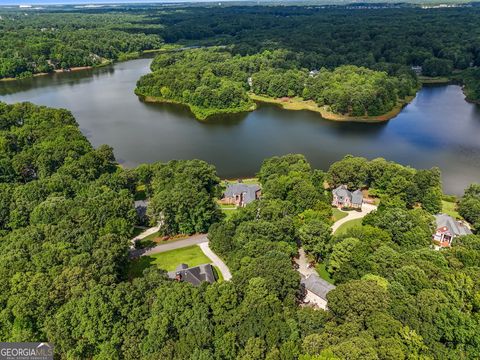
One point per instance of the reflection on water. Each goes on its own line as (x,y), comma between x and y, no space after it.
(437,129)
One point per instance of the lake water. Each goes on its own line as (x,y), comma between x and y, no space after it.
(439,128)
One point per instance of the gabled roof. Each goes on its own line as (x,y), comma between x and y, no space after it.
(249,191)
(194,275)
(447,223)
(343,193)
(141,203)
(357,197)
(317,285)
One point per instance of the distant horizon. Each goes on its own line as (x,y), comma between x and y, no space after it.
(99,2)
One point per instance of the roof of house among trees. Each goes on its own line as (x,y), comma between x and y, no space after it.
(453,226)
(249,191)
(342,192)
(194,275)
(317,285)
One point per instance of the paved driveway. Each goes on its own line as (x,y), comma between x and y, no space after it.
(353,214)
(216,261)
(191,240)
(199,239)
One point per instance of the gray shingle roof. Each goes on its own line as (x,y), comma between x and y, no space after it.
(342,193)
(249,191)
(357,197)
(317,285)
(454,227)
(194,275)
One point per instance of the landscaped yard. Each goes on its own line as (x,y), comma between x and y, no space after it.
(248,181)
(349,224)
(169,260)
(450,208)
(323,272)
(338,214)
(228,210)
(191,255)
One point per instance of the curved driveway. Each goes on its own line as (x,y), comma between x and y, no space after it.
(199,239)
(353,214)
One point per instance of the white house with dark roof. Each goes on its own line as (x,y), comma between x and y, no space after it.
(447,229)
(316,290)
(241,194)
(343,198)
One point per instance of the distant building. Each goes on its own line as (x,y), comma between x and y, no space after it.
(141,209)
(343,198)
(448,229)
(313,73)
(316,290)
(194,275)
(241,194)
(417,70)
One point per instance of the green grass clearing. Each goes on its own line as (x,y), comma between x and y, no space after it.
(322,271)
(169,260)
(338,214)
(348,225)
(450,208)
(218,273)
(248,181)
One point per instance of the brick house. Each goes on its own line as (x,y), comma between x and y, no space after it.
(241,194)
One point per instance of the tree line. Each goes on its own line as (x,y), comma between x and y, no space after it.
(41,42)
(213,81)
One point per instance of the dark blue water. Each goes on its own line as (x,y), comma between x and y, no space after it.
(439,128)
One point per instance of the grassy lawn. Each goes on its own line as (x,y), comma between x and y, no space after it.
(191,255)
(323,272)
(450,208)
(169,260)
(349,224)
(228,210)
(248,181)
(218,273)
(140,193)
(338,214)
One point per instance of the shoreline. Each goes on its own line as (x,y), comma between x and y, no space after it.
(310,105)
(61,71)
(106,62)
(199,114)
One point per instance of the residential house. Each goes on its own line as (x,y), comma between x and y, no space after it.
(417,70)
(194,275)
(448,229)
(315,290)
(141,209)
(343,198)
(241,194)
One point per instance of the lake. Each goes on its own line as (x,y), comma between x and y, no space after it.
(439,128)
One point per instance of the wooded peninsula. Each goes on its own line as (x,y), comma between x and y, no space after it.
(213,81)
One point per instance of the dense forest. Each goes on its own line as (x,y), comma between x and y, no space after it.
(67,214)
(213,81)
(440,41)
(35,42)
